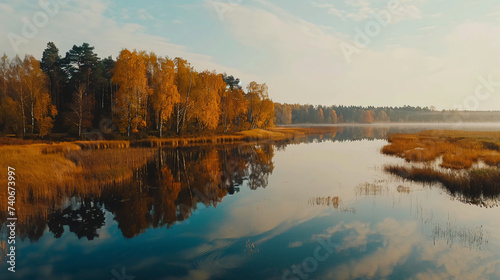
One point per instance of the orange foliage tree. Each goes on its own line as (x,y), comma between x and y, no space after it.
(161,74)
(234,108)
(261,108)
(206,99)
(333,117)
(131,99)
(367,117)
(9,118)
(30,88)
(17,76)
(184,80)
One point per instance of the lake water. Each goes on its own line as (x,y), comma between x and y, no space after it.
(316,208)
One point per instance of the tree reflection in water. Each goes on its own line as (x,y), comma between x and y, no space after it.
(167,190)
(163,192)
(83,221)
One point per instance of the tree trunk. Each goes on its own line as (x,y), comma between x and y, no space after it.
(129,121)
(128,128)
(32,112)
(177,120)
(80,116)
(187,104)
(23,116)
(161,125)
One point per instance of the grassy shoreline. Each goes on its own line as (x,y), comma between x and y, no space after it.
(46,171)
(96,163)
(270,134)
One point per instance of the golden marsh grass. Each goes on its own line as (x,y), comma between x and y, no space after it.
(459,149)
(44,172)
(472,186)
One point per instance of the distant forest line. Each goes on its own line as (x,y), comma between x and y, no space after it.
(287,114)
(140,94)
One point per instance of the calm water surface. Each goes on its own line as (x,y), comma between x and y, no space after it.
(319,208)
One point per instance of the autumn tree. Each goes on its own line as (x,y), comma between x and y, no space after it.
(283,113)
(4,74)
(320,117)
(381,116)
(9,120)
(17,81)
(333,117)
(185,81)
(233,103)
(161,74)
(36,84)
(206,99)
(80,109)
(30,90)
(138,90)
(367,116)
(130,75)
(44,111)
(261,108)
(234,108)
(3,89)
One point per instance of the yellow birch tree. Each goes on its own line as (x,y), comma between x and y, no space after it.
(129,74)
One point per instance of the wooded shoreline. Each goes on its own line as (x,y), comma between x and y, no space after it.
(270,134)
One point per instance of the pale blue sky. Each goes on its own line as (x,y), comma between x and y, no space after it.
(427,52)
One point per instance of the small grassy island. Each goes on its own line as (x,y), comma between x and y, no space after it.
(466,163)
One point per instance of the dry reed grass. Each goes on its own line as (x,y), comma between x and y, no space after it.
(17,141)
(45,174)
(474,185)
(188,141)
(369,189)
(459,149)
(258,134)
(334,201)
(270,134)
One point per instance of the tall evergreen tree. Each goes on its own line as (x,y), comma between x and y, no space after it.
(51,65)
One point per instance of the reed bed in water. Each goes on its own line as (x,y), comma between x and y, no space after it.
(459,149)
(270,134)
(64,164)
(45,174)
(473,184)
(187,141)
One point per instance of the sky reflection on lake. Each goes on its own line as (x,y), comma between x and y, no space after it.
(261,212)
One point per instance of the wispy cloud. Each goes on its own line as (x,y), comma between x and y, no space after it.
(359,10)
(144,14)
(428,28)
